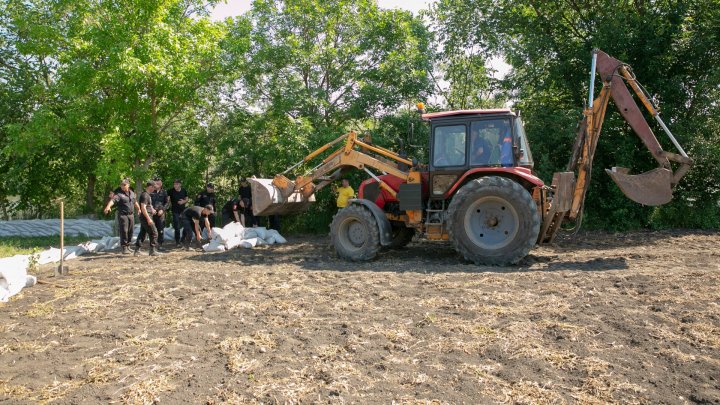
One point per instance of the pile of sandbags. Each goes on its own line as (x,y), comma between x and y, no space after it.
(235,235)
(51,227)
(13,270)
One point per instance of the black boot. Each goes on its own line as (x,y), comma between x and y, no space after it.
(136,250)
(125,250)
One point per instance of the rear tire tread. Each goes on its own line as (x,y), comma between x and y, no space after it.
(516,194)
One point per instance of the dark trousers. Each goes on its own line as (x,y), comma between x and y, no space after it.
(227,218)
(188,230)
(149,229)
(275,222)
(125,228)
(159,221)
(177,225)
(250,219)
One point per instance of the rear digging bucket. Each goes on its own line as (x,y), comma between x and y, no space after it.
(268,200)
(650,188)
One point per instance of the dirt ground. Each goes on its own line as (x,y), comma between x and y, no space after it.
(597,318)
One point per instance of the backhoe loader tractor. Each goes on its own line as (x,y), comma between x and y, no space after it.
(478,190)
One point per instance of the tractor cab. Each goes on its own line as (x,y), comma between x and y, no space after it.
(473,141)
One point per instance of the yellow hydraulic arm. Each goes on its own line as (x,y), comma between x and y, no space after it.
(353,154)
(650,188)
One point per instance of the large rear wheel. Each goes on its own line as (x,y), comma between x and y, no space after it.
(354,233)
(493,220)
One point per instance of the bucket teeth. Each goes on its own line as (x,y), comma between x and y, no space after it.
(651,188)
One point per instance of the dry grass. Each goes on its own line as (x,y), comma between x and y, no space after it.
(244,330)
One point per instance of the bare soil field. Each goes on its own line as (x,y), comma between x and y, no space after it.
(597,318)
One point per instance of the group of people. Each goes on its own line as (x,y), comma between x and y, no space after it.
(154,202)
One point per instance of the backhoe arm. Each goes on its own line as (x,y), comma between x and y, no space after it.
(651,188)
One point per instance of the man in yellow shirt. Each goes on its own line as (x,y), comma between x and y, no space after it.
(344,193)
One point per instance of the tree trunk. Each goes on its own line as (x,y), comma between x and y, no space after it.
(90,193)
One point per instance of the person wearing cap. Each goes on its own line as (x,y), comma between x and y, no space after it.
(125,199)
(178,197)
(207,197)
(192,218)
(147,210)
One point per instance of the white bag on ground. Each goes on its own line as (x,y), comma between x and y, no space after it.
(249,243)
(233,242)
(51,255)
(73,252)
(13,275)
(221,235)
(276,235)
(214,246)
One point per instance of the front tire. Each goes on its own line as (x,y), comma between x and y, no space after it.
(354,233)
(494,221)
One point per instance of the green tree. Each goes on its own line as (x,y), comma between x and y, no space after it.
(672,47)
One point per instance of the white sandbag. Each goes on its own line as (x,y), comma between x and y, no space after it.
(276,235)
(213,246)
(221,235)
(13,275)
(232,243)
(249,243)
(73,252)
(92,246)
(234,229)
(249,233)
(261,232)
(270,240)
(110,242)
(51,255)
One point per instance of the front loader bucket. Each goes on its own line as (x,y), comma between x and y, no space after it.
(269,199)
(650,188)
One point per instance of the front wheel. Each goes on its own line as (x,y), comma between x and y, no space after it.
(354,233)
(493,220)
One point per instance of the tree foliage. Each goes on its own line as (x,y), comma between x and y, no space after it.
(92,91)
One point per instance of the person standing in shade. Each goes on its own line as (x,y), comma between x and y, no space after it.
(230,211)
(344,193)
(178,197)
(245,194)
(205,198)
(160,200)
(192,218)
(146,219)
(127,203)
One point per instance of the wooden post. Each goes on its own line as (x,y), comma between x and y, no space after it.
(62,270)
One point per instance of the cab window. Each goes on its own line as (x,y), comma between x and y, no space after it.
(449,146)
(491,143)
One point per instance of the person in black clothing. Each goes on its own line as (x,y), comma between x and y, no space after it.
(178,197)
(146,219)
(207,197)
(230,211)
(245,194)
(192,217)
(160,202)
(126,202)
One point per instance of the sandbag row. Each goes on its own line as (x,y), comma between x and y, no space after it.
(235,235)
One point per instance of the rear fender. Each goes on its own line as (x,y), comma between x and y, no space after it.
(384,227)
(521,175)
